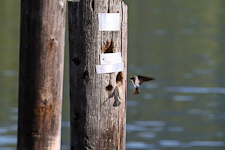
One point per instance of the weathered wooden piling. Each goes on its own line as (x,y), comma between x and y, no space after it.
(41,74)
(98,101)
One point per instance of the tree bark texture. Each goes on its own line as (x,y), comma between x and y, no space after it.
(42,40)
(98,101)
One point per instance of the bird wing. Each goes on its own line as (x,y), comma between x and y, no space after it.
(144,79)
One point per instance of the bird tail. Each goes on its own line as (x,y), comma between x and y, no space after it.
(136,91)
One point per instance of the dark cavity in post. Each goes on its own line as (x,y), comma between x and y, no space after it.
(109,88)
(76,61)
(108,47)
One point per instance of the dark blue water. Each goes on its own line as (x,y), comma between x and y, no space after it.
(178,42)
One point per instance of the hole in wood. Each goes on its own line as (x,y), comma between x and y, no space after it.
(108,47)
(85,75)
(119,78)
(76,61)
(109,88)
(45,102)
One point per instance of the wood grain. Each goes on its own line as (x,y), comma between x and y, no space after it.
(42,41)
(98,102)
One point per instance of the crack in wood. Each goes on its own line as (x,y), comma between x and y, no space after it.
(92,5)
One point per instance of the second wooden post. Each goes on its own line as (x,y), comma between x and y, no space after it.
(98,101)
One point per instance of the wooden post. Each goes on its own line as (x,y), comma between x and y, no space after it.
(98,101)
(41,74)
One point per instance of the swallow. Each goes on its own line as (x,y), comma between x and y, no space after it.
(137,81)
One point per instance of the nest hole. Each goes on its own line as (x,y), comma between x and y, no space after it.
(108,47)
(109,88)
(76,61)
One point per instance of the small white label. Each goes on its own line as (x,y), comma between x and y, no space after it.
(109,68)
(109,21)
(110,58)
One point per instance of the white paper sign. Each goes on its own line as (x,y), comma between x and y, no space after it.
(110,58)
(109,21)
(109,68)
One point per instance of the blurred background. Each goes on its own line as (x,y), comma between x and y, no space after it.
(181,43)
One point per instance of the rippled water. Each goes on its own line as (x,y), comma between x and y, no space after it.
(181,44)
(178,42)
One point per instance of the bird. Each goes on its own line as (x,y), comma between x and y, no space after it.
(137,81)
